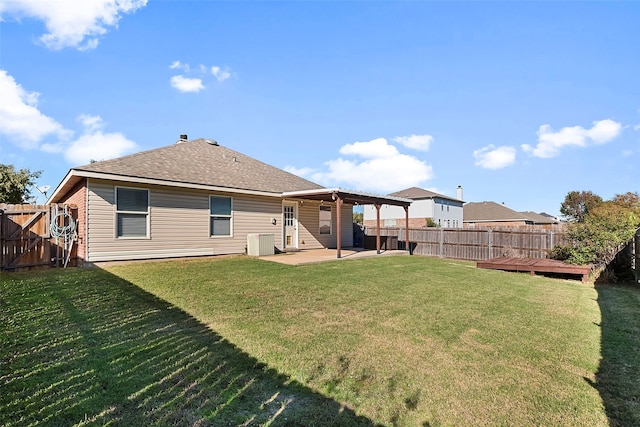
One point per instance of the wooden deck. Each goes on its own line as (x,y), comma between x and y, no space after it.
(535,265)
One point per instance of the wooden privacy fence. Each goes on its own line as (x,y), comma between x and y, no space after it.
(26,238)
(471,244)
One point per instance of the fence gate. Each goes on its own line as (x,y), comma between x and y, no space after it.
(24,236)
(36,235)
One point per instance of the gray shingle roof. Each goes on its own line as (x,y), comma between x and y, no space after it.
(540,218)
(490,211)
(200,162)
(416,193)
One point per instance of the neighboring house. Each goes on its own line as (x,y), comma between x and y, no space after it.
(198,198)
(443,210)
(542,219)
(492,214)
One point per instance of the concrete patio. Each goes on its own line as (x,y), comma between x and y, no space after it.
(321,255)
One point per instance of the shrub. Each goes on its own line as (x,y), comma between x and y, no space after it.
(602,233)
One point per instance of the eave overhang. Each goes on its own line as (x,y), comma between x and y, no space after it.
(75,175)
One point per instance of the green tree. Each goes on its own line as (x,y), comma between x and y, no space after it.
(602,233)
(431,223)
(605,230)
(15,184)
(577,205)
(358,217)
(629,200)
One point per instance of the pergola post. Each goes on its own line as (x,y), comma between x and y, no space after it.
(339,225)
(406,223)
(378,206)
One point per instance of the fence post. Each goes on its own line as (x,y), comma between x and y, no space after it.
(441,245)
(636,251)
(490,243)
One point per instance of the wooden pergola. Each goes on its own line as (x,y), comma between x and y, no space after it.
(341,196)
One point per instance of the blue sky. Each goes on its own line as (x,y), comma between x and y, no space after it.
(518,102)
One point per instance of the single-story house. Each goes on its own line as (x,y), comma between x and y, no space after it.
(492,214)
(196,198)
(443,210)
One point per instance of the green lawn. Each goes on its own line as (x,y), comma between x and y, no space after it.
(378,341)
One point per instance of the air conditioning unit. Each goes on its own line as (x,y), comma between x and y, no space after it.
(260,244)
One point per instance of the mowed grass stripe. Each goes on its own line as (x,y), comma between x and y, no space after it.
(408,339)
(231,341)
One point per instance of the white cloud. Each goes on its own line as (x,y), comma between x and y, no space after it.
(383,170)
(376,148)
(91,123)
(491,157)
(550,142)
(94,144)
(186,84)
(416,142)
(20,119)
(220,74)
(72,23)
(193,84)
(303,172)
(604,131)
(636,127)
(175,64)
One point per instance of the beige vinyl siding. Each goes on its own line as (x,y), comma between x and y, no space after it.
(309,226)
(178,223)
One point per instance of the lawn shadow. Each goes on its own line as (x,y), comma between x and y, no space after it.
(619,370)
(85,347)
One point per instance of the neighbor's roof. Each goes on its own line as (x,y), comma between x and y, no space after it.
(416,193)
(199,163)
(490,211)
(540,218)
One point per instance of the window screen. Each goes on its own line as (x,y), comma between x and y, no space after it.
(220,216)
(132,212)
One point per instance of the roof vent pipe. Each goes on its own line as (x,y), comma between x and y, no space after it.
(184,137)
(459,192)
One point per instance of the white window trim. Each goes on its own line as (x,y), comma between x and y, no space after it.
(147,214)
(230,235)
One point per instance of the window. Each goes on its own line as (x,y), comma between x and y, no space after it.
(288,216)
(325,219)
(132,212)
(219,216)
